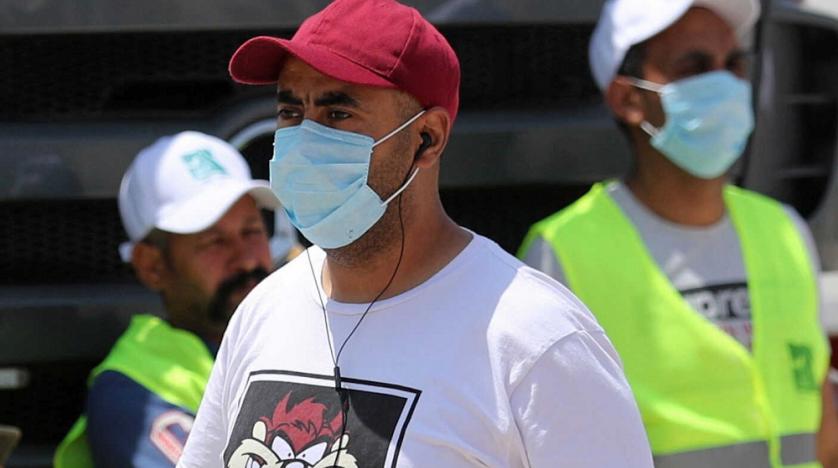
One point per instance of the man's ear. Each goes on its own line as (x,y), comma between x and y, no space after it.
(625,102)
(150,265)
(436,125)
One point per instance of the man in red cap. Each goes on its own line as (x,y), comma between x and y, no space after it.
(400,339)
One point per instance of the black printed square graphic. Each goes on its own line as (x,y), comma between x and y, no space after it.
(294,420)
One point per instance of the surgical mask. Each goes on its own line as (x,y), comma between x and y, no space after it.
(320,176)
(708,120)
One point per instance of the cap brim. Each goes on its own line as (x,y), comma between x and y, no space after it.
(260,60)
(207,207)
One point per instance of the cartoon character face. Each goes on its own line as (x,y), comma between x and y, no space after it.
(296,437)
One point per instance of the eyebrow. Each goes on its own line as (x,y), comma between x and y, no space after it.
(287,97)
(330,98)
(699,55)
(694,56)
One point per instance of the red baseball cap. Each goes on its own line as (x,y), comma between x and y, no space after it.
(365,42)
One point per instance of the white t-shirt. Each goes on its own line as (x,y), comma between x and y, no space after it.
(487,363)
(704,264)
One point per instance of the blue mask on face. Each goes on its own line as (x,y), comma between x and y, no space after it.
(320,175)
(708,120)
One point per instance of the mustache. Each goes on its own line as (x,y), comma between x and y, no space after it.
(220,303)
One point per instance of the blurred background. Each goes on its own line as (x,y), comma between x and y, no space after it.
(85,84)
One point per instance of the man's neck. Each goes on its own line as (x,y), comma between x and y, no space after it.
(677,196)
(429,245)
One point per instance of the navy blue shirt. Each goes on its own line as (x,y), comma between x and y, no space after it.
(129,426)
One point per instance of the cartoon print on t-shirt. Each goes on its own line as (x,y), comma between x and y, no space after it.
(298,436)
(295,420)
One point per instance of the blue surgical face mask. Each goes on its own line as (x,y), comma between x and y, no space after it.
(320,176)
(708,120)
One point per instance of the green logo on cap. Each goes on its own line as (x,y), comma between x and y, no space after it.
(202,165)
(802,363)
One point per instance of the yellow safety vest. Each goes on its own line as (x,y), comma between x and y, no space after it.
(705,400)
(172,363)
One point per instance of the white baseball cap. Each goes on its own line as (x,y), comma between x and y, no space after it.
(184,184)
(624,23)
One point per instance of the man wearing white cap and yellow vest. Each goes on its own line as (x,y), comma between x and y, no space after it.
(708,292)
(197,237)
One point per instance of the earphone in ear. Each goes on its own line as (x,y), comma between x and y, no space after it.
(426,142)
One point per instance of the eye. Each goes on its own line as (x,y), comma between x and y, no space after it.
(211,242)
(739,65)
(314,453)
(282,449)
(286,113)
(254,231)
(693,64)
(339,115)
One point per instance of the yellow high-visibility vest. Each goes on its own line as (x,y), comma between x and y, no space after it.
(172,363)
(705,400)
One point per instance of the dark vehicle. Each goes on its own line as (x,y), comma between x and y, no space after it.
(85,85)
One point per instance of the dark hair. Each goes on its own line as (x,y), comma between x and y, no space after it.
(160,239)
(632,66)
(633,61)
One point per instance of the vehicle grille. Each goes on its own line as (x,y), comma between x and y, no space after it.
(94,76)
(60,241)
(804,117)
(46,408)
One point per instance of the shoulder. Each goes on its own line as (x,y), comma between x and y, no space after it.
(530,295)
(582,215)
(126,421)
(805,233)
(750,200)
(113,388)
(114,393)
(533,311)
(799,223)
(782,209)
(568,214)
(534,298)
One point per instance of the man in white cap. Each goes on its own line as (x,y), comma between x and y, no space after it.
(197,237)
(709,292)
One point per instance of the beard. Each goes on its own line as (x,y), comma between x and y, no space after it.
(386,234)
(222,304)
(383,236)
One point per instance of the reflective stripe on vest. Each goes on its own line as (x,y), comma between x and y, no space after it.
(797,449)
(747,455)
(171,363)
(699,390)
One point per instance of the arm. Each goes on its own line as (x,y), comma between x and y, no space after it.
(827,441)
(575,408)
(127,425)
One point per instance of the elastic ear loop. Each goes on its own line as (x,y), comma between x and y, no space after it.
(416,171)
(647,127)
(400,128)
(402,188)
